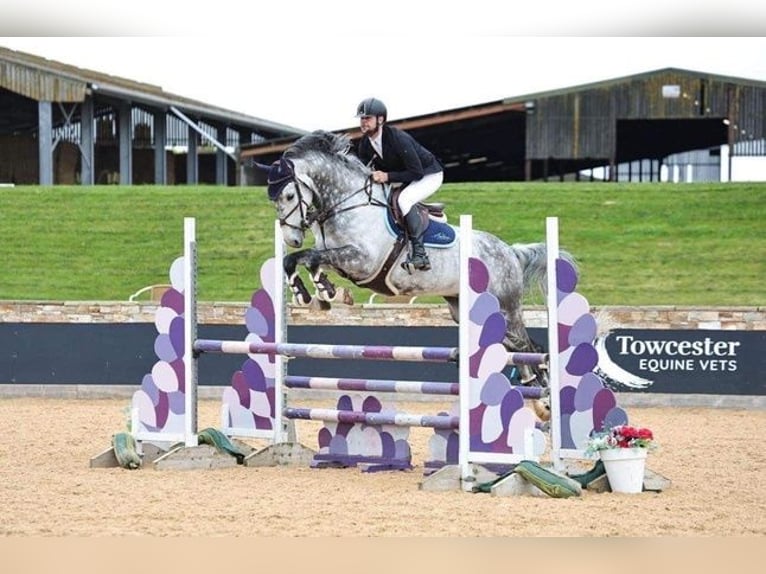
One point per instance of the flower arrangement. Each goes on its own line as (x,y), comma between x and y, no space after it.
(621,436)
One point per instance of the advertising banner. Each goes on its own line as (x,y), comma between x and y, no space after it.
(676,361)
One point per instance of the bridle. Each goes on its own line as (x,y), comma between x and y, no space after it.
(314,212)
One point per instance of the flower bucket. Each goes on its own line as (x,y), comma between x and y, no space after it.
(624,468)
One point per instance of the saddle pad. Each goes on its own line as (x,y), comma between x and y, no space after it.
(438,234)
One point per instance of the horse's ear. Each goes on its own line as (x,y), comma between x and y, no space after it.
(262,166)
(281,173)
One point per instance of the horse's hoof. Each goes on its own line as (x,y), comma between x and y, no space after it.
(299,301)
(317,304)
(346,296)
(542,409)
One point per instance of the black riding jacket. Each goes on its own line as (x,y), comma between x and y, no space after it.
(404,159)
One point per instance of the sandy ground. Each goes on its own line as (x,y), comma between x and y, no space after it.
(713,458)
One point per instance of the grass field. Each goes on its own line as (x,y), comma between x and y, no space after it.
(637,244)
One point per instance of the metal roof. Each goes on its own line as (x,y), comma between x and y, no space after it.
(491,140)
(42,79)
(633,77)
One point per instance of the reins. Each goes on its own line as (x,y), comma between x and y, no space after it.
(333,210)
(315,213)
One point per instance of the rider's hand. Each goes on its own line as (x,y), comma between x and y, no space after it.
(379,177)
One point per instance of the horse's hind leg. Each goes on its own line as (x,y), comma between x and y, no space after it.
(517,340)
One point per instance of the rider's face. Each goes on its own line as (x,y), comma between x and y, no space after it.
(369,125)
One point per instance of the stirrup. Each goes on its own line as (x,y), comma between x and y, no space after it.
(420,263)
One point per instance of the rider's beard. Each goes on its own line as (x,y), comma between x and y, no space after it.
(370,130)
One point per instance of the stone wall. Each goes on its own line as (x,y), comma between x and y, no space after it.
(608,317)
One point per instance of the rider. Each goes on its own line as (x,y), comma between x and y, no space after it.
(397,158)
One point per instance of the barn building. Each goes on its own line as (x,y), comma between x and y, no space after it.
(60,124)
(630,128)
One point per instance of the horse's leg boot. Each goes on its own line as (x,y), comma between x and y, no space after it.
(419,258)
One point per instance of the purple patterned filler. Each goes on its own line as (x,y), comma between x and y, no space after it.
(478,275)
(498,418)
(347,440)
(566,276)
(585,402)
(160,401)
(583,359)
(443,446)
(251,400)
(584,330)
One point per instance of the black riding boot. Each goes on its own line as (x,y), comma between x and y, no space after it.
(419,258)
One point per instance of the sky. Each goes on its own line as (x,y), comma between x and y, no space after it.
(309,68)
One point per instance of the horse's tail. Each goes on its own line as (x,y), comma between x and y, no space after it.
(533,260)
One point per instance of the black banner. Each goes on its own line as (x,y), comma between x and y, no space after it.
(630,360)
(676,361)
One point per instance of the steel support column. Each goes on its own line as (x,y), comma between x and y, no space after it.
(125,137)
(160,141)
(45,142)
(221,173)
(87,166)
(192,158)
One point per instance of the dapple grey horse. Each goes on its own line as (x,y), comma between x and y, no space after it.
(318,185)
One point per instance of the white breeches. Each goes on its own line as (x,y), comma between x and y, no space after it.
(419,190)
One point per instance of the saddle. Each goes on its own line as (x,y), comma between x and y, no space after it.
(433,211)
(433,227)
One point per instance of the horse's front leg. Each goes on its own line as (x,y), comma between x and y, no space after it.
(314,260)
(301,295)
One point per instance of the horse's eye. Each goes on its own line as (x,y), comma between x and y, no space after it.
(290,196)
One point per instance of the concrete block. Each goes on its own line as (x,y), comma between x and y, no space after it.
(515,485)
(282,454)
(655,482)
(601,484)
(199,457)
(105,459)
(445,479)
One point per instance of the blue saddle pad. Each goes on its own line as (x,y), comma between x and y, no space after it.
(438,234)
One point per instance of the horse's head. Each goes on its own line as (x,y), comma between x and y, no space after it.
(293,200)
(309,182)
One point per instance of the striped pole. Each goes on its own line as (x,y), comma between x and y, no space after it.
(374,352)
(388,386)
(527,359)
(445,422)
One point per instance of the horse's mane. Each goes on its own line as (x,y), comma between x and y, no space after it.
(336,146)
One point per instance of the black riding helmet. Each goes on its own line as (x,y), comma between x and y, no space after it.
(371,107)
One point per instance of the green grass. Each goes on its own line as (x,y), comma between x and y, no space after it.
(637,244)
